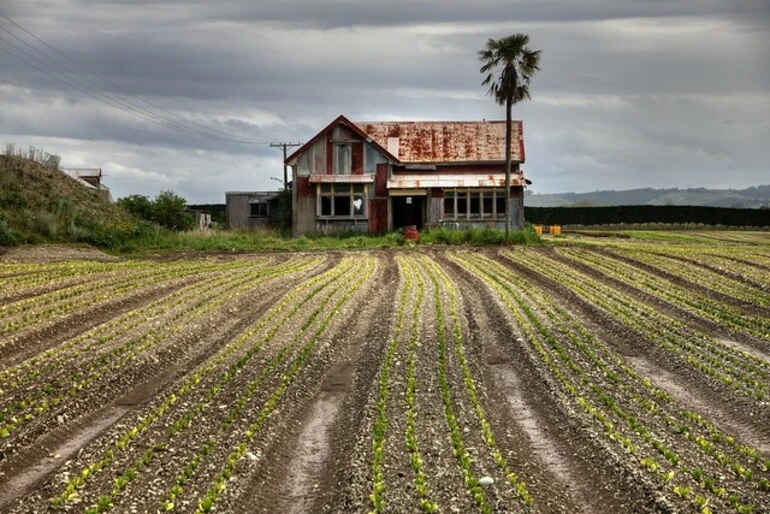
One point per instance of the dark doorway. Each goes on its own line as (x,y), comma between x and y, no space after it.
(408,210)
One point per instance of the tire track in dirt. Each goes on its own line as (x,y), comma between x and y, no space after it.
(345,482)
(556,476)
(303,453)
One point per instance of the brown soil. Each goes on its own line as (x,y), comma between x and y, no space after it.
(296,360)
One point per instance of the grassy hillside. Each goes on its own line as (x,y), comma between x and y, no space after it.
(40,203)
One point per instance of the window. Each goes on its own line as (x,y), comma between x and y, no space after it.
(449,204)
(474,203)
(488,204)
(343,158)
(500,203)
(342,200)
(258,209)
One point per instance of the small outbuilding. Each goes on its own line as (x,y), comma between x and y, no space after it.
(249,209)
(380,176)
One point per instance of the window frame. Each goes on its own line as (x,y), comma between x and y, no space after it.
(470,196)
(351,190)
(342,154)
(261,206)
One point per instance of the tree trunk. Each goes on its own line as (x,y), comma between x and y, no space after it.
(508,106)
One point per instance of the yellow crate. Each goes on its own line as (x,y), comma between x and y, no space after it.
(539,230)
(555,230)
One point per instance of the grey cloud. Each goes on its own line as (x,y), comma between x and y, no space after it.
(630,93)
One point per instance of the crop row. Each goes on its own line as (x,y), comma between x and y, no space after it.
(381,422)
(30,283)
(735,261)
(739,370)
(680,296)
(17,315)
(702,276)
(218,485)
(441,281)
(181,404)
(39,400)
(670,443)
(89,342)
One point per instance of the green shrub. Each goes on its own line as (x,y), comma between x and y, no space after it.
(8,236)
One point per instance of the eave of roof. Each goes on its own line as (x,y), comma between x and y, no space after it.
(341,119)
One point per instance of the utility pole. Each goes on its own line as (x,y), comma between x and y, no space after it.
(285,172)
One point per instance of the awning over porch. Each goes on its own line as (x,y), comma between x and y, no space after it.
(418,181)
(343,179)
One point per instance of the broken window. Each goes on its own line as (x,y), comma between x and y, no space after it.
(326,206)
(358,205)
(342,200)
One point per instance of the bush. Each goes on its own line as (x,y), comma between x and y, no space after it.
(8,237)
(167,210)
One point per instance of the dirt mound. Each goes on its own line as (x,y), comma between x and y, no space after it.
(40,203)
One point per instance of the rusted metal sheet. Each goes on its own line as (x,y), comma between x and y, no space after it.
(410,181)
(347,179)
(378,216)
(303,187)
(446,141)
(381,180)
(357,158)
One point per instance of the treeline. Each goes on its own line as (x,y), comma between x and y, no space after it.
(630,214)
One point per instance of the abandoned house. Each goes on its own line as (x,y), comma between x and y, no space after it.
(377,177)
(249,209)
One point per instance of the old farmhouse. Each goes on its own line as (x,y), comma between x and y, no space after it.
(382,176)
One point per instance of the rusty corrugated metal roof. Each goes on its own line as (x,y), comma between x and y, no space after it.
(446,141)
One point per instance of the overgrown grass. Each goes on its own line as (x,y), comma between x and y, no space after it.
(41,204)
(244,241)
(478,237)
(268,240)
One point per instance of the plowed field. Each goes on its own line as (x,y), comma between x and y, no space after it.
(630,377)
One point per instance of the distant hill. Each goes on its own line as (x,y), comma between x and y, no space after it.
(39,202)
(749,198)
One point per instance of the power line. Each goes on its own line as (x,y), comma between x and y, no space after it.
(285,172)
(93,89)
(84,89)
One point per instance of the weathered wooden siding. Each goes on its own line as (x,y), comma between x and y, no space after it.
(313,160)
(238,210)
(435,207)
(303,198)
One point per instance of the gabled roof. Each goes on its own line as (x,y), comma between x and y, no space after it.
(341,120)
(447,141)
(433,141)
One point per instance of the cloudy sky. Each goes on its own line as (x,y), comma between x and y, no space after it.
(189,94)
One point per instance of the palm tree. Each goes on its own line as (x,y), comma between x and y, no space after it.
(509,64)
